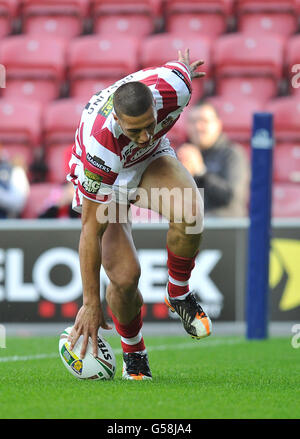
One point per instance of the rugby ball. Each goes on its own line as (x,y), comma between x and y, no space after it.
(102,367)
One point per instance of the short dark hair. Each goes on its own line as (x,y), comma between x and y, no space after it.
(204,103)
(132,99)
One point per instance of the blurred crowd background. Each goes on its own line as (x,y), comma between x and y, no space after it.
(57,53)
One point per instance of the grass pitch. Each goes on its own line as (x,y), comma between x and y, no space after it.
(218,377)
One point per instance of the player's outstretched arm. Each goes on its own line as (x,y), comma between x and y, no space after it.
(90,316)
(185,58)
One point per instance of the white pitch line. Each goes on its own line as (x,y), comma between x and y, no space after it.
(196,344)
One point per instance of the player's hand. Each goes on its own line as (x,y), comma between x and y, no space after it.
(185,58)
(191,158)
(87,323)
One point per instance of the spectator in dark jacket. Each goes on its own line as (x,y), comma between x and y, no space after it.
(217,164)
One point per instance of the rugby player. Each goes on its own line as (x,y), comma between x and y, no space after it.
(121,150)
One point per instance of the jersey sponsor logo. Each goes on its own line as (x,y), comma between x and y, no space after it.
(98,163)
(167,121)
(107,108)
(92,182)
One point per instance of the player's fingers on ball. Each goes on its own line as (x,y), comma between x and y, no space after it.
(84,346)
(95,345)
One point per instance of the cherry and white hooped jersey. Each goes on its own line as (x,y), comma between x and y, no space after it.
(101,150)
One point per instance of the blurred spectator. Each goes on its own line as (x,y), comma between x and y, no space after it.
(59,203)
(14,186)
(217,164)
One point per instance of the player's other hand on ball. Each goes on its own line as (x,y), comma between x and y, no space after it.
(185,58)
(87,323)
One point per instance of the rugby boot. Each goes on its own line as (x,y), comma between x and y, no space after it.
(195,321)
(136,366)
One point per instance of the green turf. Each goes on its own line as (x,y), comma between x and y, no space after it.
(218,377)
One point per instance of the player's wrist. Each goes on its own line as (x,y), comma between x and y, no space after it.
(91,300)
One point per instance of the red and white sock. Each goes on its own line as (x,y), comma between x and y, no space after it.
(179,270)
(131,335)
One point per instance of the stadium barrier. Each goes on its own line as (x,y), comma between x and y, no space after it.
(40,277)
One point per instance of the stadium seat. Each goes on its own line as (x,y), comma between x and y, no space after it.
(41,196)
(286,200)
(60,121)
(57,158)
(293,64)
(35,67)
(97,58)
(86,88)
(276,16)
(20,122)
(8,11)
(265,5)
(236,114)
(205,18)
(159,49)
(286,112)
(259,59)
(286,163)
(129,17)
(59,18)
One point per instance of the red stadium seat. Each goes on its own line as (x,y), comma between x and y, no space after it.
(57,158)
(293,64)
(265,5)
(41,196)
(8,11)
(60,121)
(286,200)
(236,115)
(58,18)
(20,122)
(86,88)
(161,48)
(35,67)
(205,18)
(285,24)
(286,163)
(97,57)
(259,59)
(286,112)
(129,17)
(276,16)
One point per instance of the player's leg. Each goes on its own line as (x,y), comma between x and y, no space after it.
(119,259)
(181,203)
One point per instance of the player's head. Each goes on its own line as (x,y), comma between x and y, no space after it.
(204,125)
(135,112)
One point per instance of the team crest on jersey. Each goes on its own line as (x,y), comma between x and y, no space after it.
(107,108)
(92,182)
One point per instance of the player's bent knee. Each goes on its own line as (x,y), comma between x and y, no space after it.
(126,281)
(190,218)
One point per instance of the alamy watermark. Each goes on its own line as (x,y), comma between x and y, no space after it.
(177,205)
(2,336)
(295,342)
(296,77)
(2,76)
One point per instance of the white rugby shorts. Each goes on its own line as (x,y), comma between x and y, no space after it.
(128,179)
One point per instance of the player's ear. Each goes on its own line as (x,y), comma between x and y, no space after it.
(115,117)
